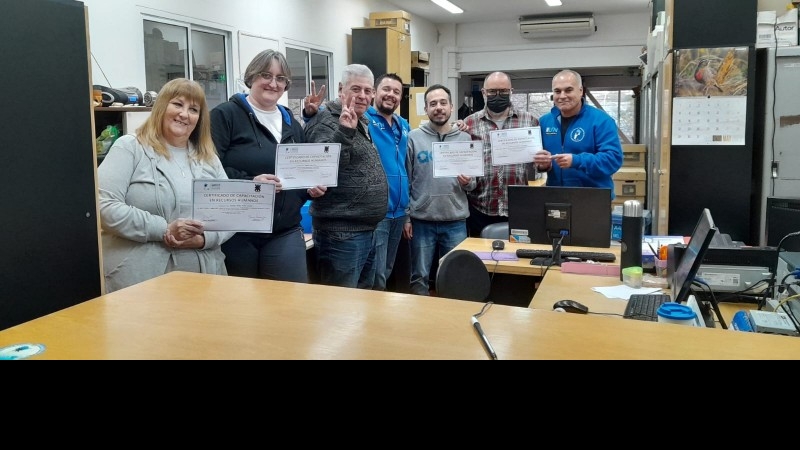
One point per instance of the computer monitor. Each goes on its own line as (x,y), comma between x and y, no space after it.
(783,217)
(692,257)
(541,214)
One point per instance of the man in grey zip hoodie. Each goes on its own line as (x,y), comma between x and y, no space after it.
(438,207)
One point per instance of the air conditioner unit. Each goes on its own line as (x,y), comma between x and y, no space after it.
(556,26)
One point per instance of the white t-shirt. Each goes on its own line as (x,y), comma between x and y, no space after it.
(271,120)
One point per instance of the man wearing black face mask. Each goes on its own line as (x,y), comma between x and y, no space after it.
(488,202)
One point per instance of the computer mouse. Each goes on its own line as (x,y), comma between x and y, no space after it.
(497,244)
(571,306)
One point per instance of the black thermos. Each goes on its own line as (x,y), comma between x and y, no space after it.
(632,224)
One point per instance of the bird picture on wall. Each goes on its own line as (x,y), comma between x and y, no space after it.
(711,72)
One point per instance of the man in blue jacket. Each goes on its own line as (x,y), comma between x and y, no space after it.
(581,144)
(389,132)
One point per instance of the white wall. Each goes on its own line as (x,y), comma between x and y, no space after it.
(491,46)
(116,36)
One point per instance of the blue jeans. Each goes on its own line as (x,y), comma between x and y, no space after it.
(264,255)
(431,239)
(342,256)
(384,251)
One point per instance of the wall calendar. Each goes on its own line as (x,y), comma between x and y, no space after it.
(709,105)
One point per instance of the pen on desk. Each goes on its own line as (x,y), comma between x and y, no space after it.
(484,340)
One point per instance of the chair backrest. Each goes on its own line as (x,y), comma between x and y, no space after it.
(463,276)
(497,230)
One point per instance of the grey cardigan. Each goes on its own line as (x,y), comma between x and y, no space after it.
(137,201)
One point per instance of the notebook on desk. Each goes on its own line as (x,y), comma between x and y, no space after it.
(644,307)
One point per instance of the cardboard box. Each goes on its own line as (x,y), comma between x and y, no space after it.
(786,28)
(630,174)
(633,155)
(629,188)
(396,20)
(420,60)
(765,29)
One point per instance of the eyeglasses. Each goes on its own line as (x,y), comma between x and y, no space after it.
(493,92)
(369,92)
(268,77)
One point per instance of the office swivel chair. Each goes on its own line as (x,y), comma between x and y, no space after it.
(497,230)
(463,276)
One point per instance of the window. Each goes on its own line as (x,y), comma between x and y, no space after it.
(307,64)
(171,47)
(619,104)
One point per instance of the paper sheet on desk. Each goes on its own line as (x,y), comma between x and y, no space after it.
(622,291)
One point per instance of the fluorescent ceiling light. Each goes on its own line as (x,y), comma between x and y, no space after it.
(553,2)
(453,9)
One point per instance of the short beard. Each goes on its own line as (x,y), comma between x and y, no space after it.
(439,124)
(384,110)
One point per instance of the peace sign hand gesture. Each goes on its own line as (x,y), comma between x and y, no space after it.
(349,118)
(313,101)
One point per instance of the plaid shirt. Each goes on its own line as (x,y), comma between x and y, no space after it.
(491,196)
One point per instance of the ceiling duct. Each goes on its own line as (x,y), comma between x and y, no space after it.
(534,27)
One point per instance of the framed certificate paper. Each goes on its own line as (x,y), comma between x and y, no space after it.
(303,166)
(233,205)
(515,146)
(451,159)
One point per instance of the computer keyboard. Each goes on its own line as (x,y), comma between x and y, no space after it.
(584,256)
(645,306)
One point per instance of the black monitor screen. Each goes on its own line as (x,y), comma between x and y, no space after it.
(783,218)
(692,257)
(540,214)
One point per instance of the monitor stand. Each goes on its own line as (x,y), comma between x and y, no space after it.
(555,260)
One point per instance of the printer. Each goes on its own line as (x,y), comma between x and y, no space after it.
(730,267)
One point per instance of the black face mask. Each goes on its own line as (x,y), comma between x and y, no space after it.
(499,103)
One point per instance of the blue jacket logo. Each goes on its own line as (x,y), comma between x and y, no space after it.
(551,130)
(577,135)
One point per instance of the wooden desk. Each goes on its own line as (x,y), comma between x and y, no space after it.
(193,316)
(569,286)
(523,265)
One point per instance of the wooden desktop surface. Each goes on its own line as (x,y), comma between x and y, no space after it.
(194,316)
(523,265)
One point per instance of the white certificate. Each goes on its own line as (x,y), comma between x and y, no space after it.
(451,159)
(233,205)
(302,166)
(515,145)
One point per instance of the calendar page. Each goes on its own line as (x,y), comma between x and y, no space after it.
(709,105)
(708,121)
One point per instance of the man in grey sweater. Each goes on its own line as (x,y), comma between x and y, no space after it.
(438,207)
(345,218)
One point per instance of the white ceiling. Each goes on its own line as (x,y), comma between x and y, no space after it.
(504,10)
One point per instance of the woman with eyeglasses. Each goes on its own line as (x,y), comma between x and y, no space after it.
(246,131)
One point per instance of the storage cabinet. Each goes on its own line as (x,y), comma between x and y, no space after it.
(383,50)
(51,256)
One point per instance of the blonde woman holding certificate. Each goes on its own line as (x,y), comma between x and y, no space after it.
(146,193)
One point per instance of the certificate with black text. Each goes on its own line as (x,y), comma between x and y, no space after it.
(233,205)
(302,166)
(451,159)
(515,145)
